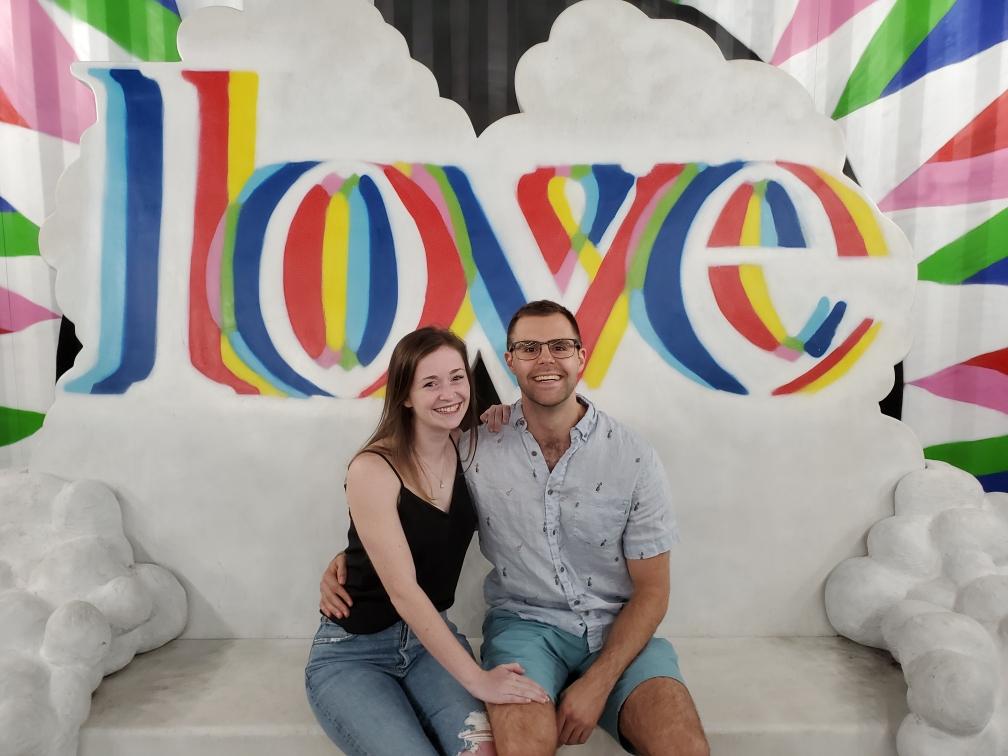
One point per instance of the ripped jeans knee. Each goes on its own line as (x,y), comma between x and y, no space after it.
(476,737)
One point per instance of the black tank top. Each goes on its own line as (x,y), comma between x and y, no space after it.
(438,541)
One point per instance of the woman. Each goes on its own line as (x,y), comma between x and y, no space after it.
(396,676)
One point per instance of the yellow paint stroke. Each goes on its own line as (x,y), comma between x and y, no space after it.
(465,318)
(243,89)
(587,253)
(755,286)
(751,235)
(864,218)
(406,169)
(609,340)
(845,364)
(335,268)
(243,372)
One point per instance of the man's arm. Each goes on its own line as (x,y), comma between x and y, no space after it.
(582,702)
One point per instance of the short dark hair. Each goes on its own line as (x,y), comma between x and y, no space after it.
(540,308)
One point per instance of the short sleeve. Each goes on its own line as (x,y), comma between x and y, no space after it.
(651,528)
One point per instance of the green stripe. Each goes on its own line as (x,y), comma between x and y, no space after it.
(983,457)
(462,241)
(16,424)
(229,323)
(907,25)
(18,236)
(641,255)
(969,254)
(143,28)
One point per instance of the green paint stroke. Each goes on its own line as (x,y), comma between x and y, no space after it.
(18,236)
(907,25)
(983,457)
(143,28)
(16,424)
(969,254)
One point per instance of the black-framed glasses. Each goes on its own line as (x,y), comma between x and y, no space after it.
(530,350)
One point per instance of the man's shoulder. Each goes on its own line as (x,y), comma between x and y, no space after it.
(608,428)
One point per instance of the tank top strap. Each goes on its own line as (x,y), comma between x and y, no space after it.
(387,462)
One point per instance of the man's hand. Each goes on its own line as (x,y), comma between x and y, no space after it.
(496,417)
(335,602)
(580,707)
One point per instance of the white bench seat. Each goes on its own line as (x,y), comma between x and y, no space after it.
(756,696)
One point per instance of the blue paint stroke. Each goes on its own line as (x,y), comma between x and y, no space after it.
(786,221)
(358,271)
(768,229)
(492,326)
(638,315)
(995,273)
(384,294)
(820,341)
(614,185)
(815,321)
(112,288)
(491,264)
(169,5)
(591,190)
(248,248)
(994,481)
(663,290)
(969,28)
(6,207)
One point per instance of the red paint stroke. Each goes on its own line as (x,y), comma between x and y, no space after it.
(210,206)
(7,112)
(610,281)
(732,300)
(849,241)
(728,229)
(826,363)
(302,271)
(986,133)
(446,282)
(997,360)
(533,199)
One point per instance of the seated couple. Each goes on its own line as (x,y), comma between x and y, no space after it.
(573,512)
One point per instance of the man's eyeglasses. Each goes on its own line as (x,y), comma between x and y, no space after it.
(530,350)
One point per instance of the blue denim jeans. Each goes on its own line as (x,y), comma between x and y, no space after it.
(382,693)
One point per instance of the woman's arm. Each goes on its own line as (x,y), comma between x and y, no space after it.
(372,492)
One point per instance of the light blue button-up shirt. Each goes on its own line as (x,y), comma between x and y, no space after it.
(558,540)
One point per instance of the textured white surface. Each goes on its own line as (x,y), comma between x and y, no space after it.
(756,696)
(933,590)
(74,606)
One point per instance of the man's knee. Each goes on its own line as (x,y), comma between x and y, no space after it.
(523,729)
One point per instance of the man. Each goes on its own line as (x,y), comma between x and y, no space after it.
(575,518)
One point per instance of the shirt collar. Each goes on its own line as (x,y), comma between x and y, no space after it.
(584,426)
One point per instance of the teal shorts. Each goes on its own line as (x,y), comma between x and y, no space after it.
(554,659)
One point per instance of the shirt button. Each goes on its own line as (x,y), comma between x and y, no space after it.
(549,491)
(563,569)
(535,453)
(577,601)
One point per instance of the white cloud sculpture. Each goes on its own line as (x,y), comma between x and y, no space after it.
(74,607)
(933,590)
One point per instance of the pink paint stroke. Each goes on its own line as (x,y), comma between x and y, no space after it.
(35,72)
(786,353)
(957,182)
(812,22)
(215,256)
(968,383)
(18,313)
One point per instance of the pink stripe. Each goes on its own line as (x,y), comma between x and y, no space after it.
(966,383)
(812,23)
(328,358)
(422,178)
(213,271)
(333,183)
(787,353)
(957,182)
(563,276)
(18,313)
(643,219)
(35,72)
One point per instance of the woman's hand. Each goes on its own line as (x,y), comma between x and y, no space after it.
(507,684)
(334,601)
(496,417)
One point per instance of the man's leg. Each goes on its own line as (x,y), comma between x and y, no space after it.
(659,717)
(524,729)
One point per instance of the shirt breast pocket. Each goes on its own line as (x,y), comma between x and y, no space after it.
(600,523)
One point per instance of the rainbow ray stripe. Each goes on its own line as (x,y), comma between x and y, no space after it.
(759,214)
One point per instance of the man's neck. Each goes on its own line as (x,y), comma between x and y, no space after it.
(552,424)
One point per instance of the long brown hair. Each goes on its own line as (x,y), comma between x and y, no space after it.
(395,432)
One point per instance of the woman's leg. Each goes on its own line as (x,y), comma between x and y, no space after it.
(359,702)
(455,721)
